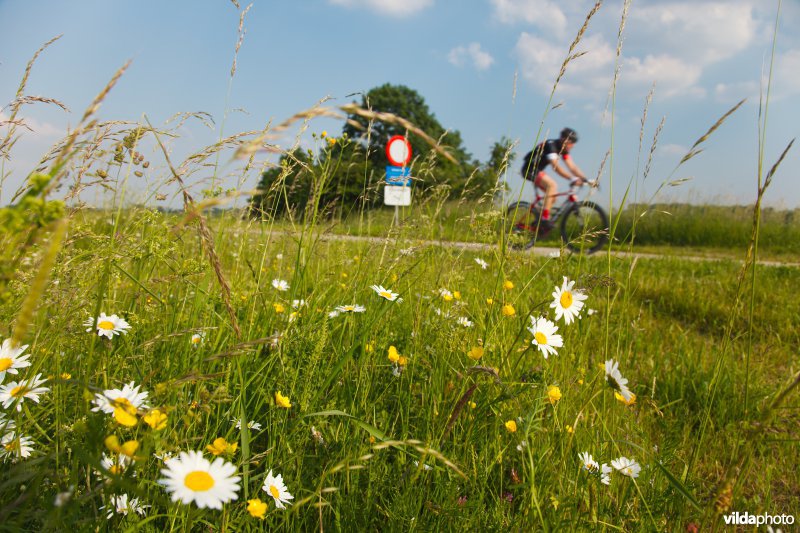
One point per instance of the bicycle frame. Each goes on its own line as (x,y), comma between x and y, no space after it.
(571,198)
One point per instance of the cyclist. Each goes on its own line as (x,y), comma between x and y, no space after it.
(547,153)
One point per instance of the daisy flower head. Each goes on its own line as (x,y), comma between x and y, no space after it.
(190,477)
(355,308)
(605,474)
(464,321)
(11,358)
(588,463)
(386,293)
(255,426)
(122,403)
(626,467)
(544,336)
(17,391)
(123,505)
(481,263)
(567,302)
(280,285)
(14,446)
(107,326)
(297,304)
(616,381)
(197,339)
(274,486)
(115,464)
(446,295)
(622,399)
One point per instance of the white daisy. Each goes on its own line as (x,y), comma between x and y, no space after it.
(446,294)
(567,302)
(274,486)
(333,314)
(627,467)
(107,326)
(250,425)
(588,462)
(605,474)
(544,336)
(481,263)
(18,391)
(355,308)
(11,358)
(192,478)
(128,396)
(297,304)
(280,285)
(122,505)
(386,293)
(6,424)
(197,339)
(13,447)
(114,464)
(464,321)
(616,381)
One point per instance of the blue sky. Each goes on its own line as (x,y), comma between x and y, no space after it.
(484,67)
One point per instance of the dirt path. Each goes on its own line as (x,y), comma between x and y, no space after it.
(548,251)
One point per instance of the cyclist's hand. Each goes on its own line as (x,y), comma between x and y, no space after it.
(579,182)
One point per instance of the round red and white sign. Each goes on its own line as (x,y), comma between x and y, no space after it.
(398,150)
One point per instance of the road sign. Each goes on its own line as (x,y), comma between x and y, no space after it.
(393,195)
(398,151)
(398,176)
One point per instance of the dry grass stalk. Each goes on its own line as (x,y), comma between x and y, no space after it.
(693,151)
(241,32)
(205,236)
(26,313)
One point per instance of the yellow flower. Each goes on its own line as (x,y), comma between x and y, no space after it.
(156,419)
(128,448)
(621,398)
(220,446)
(402,361)
(508,310)
(489,301)
(371,439)
(580,382)
(475,353)
(473,405)
(344,275)
(393,355)
(66,375)
(332,141)
(570,429)
(124,412)
(369,347)
(324,134)
(256,507)
(394,277)
(553,394)
(457,295)
(511,426)
(279,308)
(282,401)
(508,284)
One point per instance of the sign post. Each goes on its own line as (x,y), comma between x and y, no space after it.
(397,190)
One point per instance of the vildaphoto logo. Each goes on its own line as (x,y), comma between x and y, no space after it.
(747,519)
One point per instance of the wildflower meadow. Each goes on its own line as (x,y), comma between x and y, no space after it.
(205,369)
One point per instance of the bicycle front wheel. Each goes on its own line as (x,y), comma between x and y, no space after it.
(584,228)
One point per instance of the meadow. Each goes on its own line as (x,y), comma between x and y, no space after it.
(208,371)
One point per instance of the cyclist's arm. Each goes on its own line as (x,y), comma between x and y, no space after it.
(575,170)
(561,171)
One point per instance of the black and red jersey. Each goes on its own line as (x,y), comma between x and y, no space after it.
(542,155)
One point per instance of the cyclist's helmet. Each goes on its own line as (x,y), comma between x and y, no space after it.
(568,134)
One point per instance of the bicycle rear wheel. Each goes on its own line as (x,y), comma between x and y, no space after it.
(519,224)
(584,228)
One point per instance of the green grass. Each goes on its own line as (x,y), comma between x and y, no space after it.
(667,321)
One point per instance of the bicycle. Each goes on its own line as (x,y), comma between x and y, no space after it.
(583,223)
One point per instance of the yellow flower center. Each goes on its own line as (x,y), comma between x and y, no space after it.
(12,446)
(275,492)
(116,470)
(566,299)
(18,391)
(386,294)
(198,481)
(5,364)
(105,324)
(540,337)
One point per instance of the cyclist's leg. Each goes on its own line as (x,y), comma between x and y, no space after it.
(548,185)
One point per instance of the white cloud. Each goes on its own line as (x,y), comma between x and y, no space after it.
(698,32)
(37,127)
(787,73)
(733,92)
(392,8)
(672,76)
(673,149)
(543,13)
(473,53)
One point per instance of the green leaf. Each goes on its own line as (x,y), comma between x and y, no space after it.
(372,430)
(680,487)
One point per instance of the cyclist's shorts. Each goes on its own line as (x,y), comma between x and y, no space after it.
(537,181)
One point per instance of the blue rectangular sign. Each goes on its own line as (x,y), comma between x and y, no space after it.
(398,176)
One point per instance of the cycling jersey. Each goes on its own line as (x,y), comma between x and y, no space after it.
(537,159)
